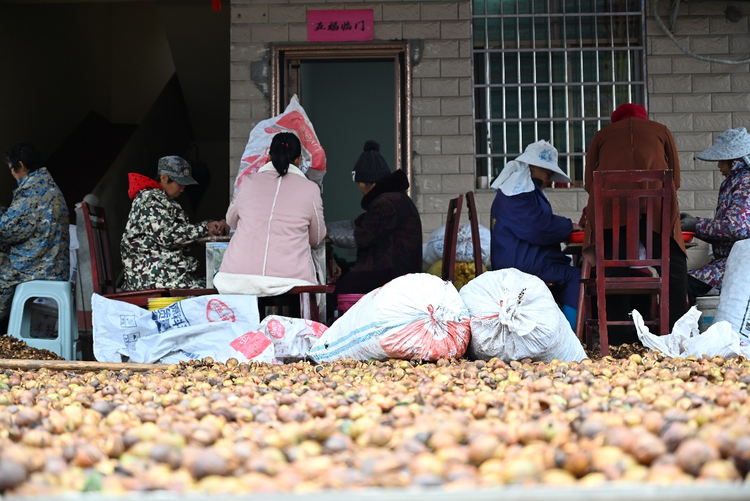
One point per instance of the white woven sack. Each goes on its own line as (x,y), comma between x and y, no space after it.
(432,251)
(734,301)
(216,326)
(514,316)
(295,120)
(416,316)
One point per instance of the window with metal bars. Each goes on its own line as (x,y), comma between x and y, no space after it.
(553,70)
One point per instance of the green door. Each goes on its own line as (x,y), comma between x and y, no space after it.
(348,102)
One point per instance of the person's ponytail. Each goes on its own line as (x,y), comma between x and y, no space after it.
(285,149)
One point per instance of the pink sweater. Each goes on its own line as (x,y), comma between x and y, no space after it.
(277,220)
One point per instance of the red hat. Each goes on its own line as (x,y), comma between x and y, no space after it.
(629,110)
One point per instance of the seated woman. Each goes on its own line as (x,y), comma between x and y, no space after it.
(732,220)
(389,233)
(278,215)
(526,235)
(633,142)
(34,230)
(158,231)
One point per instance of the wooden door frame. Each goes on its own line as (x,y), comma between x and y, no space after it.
(398,51)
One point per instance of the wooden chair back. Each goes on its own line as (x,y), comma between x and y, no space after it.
(101,260)
(451,236)
(98,239)
(476,241)
(641,202)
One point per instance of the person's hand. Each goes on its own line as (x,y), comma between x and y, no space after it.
(335,270)
(224,227)
(687,222)
(214,228)
(577,227)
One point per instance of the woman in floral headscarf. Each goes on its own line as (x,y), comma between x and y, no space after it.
(732,220)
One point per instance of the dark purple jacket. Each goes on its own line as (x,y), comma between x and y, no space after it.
(388,236)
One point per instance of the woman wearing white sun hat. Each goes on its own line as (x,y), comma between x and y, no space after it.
(526,234)
(732,221)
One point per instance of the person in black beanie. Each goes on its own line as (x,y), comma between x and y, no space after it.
(389,233)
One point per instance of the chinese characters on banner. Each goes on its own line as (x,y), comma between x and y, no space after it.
(339,25)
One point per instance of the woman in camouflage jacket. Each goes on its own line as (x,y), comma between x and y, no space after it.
(34,231)
(158,231)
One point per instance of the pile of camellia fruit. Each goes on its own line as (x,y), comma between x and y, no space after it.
(299,427)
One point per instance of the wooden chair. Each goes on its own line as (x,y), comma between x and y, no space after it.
(476,240)
(451,235)
(101,261)
(582,308)
(627,193)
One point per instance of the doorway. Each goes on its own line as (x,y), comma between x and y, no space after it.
(351,93)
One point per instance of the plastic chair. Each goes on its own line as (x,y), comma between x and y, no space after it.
(635,205)
(67,343)
(451,236)
(476,240)
(101,261)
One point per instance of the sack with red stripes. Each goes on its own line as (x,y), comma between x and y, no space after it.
(416,316)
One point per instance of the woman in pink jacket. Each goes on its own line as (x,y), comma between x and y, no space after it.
(278,216)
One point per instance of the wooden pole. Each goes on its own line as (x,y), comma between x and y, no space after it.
(81,366)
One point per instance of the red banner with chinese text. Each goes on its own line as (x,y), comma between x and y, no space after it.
(355,25)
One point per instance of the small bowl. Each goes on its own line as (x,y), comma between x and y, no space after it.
(576,237)
(687,236)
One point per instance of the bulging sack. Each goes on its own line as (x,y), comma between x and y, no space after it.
(293,119)
(734,301)
(416,316)
(216,326)
(514,316)
(433,250)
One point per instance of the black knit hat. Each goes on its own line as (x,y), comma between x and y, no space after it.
(371,166)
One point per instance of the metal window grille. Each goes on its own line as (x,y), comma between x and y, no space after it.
(554,70)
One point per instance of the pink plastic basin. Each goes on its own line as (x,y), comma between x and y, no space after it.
(346,301)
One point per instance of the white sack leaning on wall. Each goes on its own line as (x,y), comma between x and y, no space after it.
(417,316)
(514,316)
(295,120)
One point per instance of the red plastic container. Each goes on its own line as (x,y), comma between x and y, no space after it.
(576,237)
(687,236)
(346,301)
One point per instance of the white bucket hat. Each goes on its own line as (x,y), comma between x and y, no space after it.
(730,144)
(544,155)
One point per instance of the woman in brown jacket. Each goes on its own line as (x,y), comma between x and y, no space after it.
(632,142)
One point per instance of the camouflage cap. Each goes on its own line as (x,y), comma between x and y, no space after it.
(177,168)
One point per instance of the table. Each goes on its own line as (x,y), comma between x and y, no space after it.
(575,249)
(221,238)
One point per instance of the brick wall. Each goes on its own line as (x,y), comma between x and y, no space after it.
(696,99)
(442,141)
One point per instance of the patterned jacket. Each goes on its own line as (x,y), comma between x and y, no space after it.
(156,236)
(35,232)
(732,223)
